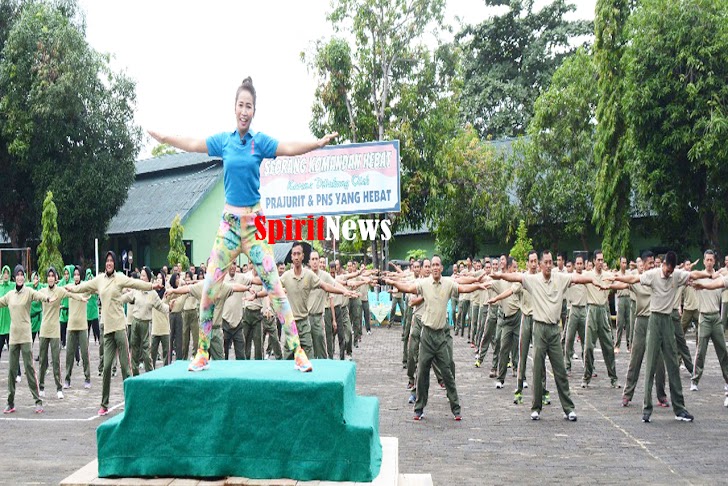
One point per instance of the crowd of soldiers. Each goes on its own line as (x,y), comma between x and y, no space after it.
(151,319)
(545,307)
(154,319)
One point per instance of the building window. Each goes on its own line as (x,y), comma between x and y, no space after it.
(188,249)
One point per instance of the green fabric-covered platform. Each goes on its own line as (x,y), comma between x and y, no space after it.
(257,419)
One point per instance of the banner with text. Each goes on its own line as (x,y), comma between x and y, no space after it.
(356,178)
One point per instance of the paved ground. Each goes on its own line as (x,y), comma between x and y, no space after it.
(496,443)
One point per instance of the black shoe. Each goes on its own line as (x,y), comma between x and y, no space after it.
(684,416)
(646,418)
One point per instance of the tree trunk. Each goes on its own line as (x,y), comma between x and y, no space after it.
(711,226)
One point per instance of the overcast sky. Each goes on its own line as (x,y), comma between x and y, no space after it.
(188,58)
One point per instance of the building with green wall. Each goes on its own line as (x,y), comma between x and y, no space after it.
(187,184)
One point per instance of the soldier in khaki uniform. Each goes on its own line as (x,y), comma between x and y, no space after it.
(18,301)
(144,301)
(511,325)
(710,327)
(576,294)
(319,301)
(434,343)
(190,321)
(643,294)
(226,291)
(253,318)
(50,332)
(109,286)
(547,290)
(299,282)
(623,311)
(77,334)
(233,329)
(690,310)
(664,282)
(598,324)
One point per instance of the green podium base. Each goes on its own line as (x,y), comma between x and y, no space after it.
(256,419)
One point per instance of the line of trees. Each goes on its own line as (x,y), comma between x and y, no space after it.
(621,118)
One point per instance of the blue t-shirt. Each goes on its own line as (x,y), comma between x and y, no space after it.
(241,159)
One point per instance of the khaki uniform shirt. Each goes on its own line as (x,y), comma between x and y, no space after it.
(298,289)
(160,321)
(18,303)
(143,302)
(232,309)
(690,299)
(223,294)
(50,326)
(664,290)
(318,299)
(708,300)
(577,294)
(625,292)
(363,292)
(436,294)
(510,305)
(109,290)
(547,295)
(643,296)
(190,303)
(594,295)
(77,315)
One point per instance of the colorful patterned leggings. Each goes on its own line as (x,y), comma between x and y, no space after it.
(236,235)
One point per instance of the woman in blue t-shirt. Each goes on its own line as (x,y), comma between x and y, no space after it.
(242,152)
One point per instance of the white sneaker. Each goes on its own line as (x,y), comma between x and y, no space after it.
(725,387)
(17,379)
(682,367)
(575,356)
(525,384)
(369,333)
(60,395)
(499,384)
(693,386)
(535,416)
(725,404)
(41,393)
(571,417)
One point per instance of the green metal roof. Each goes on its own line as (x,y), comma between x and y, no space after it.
(164,187)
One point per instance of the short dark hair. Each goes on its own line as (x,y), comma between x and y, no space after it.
(545,252)
(598,252)
(509,262)
(709,252)
(532,252)
(579,256)
(671,258)
(647,254)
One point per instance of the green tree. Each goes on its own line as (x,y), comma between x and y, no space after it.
(554,166)
(417,254)
(676,102)
(66,125)
(48,254)
(470,202)
(612,198)
(177,253)
(522,246)
(364,86)
(163,149)
(508,60)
